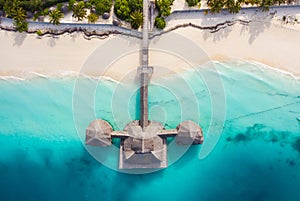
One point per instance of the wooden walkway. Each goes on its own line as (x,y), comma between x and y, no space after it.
(168,133)
(145,71)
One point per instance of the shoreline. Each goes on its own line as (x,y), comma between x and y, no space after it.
(75,74)
(255,36)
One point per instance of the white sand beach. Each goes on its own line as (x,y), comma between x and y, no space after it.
(264,39)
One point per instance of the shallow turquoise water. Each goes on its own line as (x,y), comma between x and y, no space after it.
(256,158)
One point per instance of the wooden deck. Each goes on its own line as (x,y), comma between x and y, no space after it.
(144,71)
(168,133)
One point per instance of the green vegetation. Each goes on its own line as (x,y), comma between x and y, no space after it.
(215,5)
(9,6)
(92,18)
(135,5)
(102,6)
(136,19)
(59,6)
(160,22)
(233,6)
(45,11)
(71,4)
(164,7)
(122,9)
(79,10)
(55,16)
(39,32)
(192,2)
(14,10)
(32,5)
(20,23)
(130,11)
(164,10)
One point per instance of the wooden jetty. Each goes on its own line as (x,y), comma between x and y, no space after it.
(143,142)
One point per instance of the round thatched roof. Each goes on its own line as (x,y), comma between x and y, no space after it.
(98,133)
(41,18)
(189,132)
(135,130)
(64,9)
(105,15)
(116,22)
(29,14)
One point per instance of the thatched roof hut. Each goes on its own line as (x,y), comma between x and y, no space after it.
(143,153)
(41,18)
(98,133)
(189,133)
(116,22)
(105,15)
(64,9)
(93,10)
(29,14)
(144,148)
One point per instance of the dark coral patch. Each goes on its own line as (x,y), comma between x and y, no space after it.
(290,162)
(296,145)
(241,137)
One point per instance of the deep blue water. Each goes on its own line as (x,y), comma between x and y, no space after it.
(256,158)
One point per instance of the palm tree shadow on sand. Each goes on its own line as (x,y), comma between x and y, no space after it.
(253,29)
(19,38)
(256,27)
(52,41)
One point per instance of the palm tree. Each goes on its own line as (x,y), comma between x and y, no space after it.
(121,9)
(21,25)
(8,7)
(233,6)
(92,18)
(192,2)
(215,5)
(18,14)
(55,16)
(136,19)
(79,11)
(265,5)
(160,23)
(164,7)
(253,2)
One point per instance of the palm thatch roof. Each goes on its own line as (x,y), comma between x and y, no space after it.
(189,133)
(98,133)
(143,153)
(143,148)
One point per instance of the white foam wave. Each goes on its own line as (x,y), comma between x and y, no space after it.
(58,74)
(74,74)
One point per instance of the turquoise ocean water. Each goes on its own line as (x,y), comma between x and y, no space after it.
(257,157)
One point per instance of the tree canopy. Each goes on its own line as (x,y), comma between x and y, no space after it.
(164,7)
(160,22)
(92,18)
(55,16)
(128,10)
(136,19)
(122,9)
(102,6)
(17,13)
(79,10)
(131,11)
(192,2)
